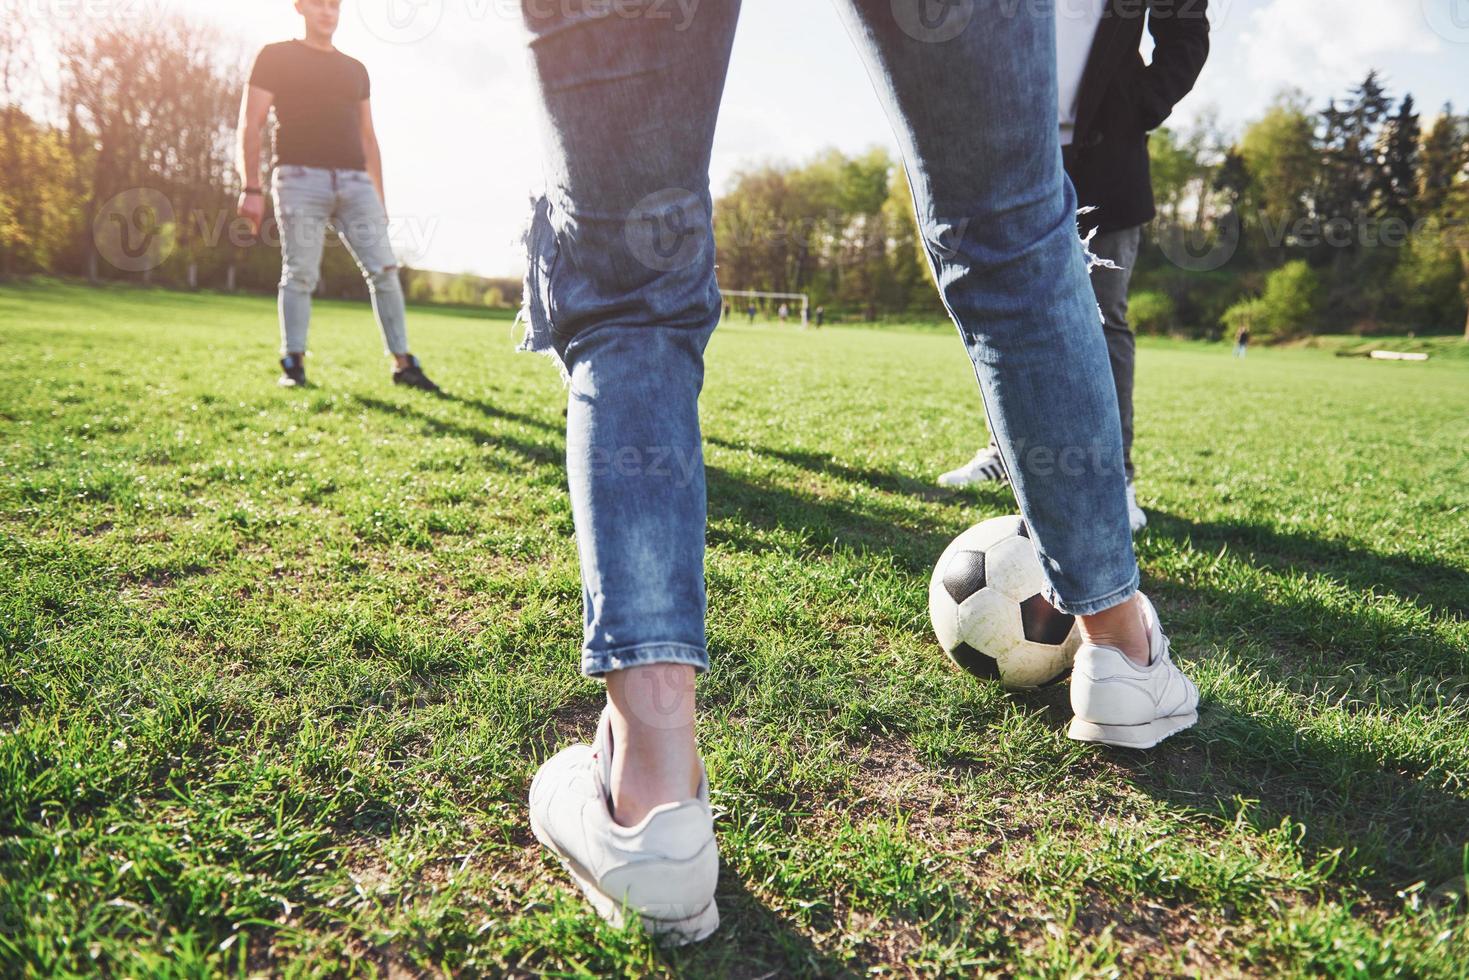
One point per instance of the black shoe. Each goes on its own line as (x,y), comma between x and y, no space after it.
(293,372)
(413,376)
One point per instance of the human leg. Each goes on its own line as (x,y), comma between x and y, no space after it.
(621,292)
(303,205)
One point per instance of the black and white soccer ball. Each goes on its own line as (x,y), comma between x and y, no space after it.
(989,612)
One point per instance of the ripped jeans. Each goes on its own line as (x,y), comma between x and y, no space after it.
(621,286)
(307,199)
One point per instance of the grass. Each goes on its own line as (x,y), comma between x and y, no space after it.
(278,665)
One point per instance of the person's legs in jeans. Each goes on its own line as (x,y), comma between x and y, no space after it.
(621,290)
(973,102)
(303,204)
(1110,284)
(363,225)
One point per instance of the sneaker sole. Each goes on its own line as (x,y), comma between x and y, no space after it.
(673,932)
(1143,736)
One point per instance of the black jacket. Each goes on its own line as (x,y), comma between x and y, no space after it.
(1122,98)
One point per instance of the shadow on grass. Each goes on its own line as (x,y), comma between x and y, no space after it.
(496,412)
(1395,814)
(536,454)
(1393,823)
(753,942)
(1443,588)
(825,465)
(1392,807)
(1391,819)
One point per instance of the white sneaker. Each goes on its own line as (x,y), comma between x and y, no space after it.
(1136,517)
(1119,703)
(664,870)
(985,467)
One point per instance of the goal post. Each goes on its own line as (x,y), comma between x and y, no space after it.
(803,298)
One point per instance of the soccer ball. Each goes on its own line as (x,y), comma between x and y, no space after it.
(988,611)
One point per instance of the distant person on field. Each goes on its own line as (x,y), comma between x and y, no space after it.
(751,311)
(1241,341)
(327,171)
(1109,100)
(784,313)
(820,315)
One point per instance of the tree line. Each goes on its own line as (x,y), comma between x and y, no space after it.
(123,167)
(1351,217)
(1348,217)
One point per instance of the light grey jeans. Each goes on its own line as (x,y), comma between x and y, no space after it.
(307,200)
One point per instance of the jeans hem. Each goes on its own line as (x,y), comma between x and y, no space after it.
(595,663)
(1091,607)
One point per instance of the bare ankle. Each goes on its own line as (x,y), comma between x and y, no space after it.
(655,759)
(1121,627)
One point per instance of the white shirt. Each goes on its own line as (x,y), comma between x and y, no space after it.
(1076,26)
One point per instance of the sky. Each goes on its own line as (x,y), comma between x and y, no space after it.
(456,116)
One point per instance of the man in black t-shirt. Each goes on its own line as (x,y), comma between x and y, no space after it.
(327,172)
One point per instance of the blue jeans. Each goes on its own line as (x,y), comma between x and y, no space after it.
(307,199)
(621,287)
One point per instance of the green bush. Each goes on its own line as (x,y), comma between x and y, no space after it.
(1199,298)
(1247,313)
(1152,312)
(1289,305)
(1426,282)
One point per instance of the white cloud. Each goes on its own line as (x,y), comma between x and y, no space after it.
(1315,45)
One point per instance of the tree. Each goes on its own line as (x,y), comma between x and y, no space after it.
(1397,179)
(1280,154)
(148,107)
(1455,223)
(1183,165)
(16,64)
(1348,200)
(838,227)
(1349,171)
(1442,158)
(38,214)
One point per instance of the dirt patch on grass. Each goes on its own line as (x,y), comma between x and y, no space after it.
(1157,938)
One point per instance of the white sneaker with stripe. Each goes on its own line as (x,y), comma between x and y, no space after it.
(985,467)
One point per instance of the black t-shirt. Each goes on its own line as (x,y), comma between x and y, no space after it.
(318,105)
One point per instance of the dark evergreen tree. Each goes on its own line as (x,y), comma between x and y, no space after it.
(1397,154)
(1443,157)
(1350,165)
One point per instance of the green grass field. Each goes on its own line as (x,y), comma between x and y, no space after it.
(279,665)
